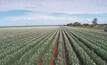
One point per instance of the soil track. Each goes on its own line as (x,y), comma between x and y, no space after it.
(55,51)
(40,60)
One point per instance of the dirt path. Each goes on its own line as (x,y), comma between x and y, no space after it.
(46,49)
(55,51)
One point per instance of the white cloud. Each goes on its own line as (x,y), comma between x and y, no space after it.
(36,17)
(41,9)
(73,6)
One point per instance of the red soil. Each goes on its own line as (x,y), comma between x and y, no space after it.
(39,63)
(55,53)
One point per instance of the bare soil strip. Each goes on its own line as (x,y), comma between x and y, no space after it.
(40,60)
(55,51)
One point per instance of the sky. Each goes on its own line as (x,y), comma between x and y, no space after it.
(51,12)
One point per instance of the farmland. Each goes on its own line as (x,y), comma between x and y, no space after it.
(52,46)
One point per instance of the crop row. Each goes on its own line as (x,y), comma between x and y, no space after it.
(58,46)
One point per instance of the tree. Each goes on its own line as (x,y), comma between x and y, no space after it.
(86,24)
(76,24)
(94,22)
(70,24)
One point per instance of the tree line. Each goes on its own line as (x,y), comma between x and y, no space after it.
(94,23)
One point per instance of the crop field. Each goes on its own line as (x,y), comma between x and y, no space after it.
(52,46)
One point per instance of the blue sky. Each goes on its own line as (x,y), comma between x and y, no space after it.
(51,12)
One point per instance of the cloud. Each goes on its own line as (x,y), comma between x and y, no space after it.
(51,11)
(73,6)
(56,17)
(11,13)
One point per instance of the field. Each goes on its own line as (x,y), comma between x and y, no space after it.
(52,46)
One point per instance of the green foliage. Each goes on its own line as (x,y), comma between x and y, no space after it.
(77,46)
